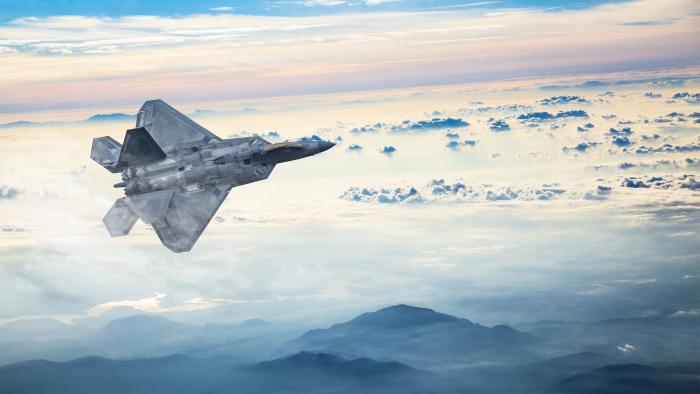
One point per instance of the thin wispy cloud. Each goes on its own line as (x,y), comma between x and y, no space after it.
(464,44)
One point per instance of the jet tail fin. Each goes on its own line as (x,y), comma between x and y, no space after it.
(119,219)
(105,151)
(139,148)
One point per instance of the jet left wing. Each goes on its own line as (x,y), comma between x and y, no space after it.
(170,128)
(187,216)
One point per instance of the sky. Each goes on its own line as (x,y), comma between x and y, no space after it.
(566,190)
(81,59)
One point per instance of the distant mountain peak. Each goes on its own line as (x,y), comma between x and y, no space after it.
(414,336)
(109,117)
(402,315)
(331,363)
(139,324)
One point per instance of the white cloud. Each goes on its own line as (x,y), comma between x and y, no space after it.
(154,304)
(626,348)
(221,9)
(378,2)
(324,3)
(686,313)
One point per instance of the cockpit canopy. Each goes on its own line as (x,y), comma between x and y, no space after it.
(283,145)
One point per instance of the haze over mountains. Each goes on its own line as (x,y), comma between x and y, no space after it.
(396,349)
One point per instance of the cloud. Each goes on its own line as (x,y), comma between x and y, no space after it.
(662,182)
(663,163)
(685,313)
(459,191)
(621,141)
(388,150)
(544,115)
(324,3)
(378,2)
(626,348)
(581,147)
(435,123)
(221,9)
(368,128)
(624,132)
(691,162)
(564,100)
(441,191)
(668,148)
(499,125)
(354,148)
(648,23)
(226,55)
(500,109)
(572,114)
(690,98)
(452,145)
(154,304)
(383,195)
(8,192)
(666,81)
(585,127)
(313,137)
(653,95)
(652,137)
(536,116)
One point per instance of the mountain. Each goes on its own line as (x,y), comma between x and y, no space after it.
(304,362)
(19,123)
(140,336)
(45,328)
(300,373)
(640,339)
(306,372)
(173,374)
(671,378)
(399,349)
(115,117)
(416,336)
(143,336)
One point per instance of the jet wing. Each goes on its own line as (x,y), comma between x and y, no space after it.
(170,128)
(187,216)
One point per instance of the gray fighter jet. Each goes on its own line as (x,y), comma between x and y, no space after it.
(176,173)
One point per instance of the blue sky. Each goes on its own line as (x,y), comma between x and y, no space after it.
(11,9)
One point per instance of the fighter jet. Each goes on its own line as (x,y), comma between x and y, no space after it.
(176,173)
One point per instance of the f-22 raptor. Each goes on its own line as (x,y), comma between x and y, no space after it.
(176,173)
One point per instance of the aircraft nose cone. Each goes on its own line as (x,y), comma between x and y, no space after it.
(325,145)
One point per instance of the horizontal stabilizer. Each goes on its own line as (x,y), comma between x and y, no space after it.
(119,219)
(139,148)
(150,207)
(188,216)
(105,151)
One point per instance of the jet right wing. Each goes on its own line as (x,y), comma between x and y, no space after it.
(170,128)
(187,216)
